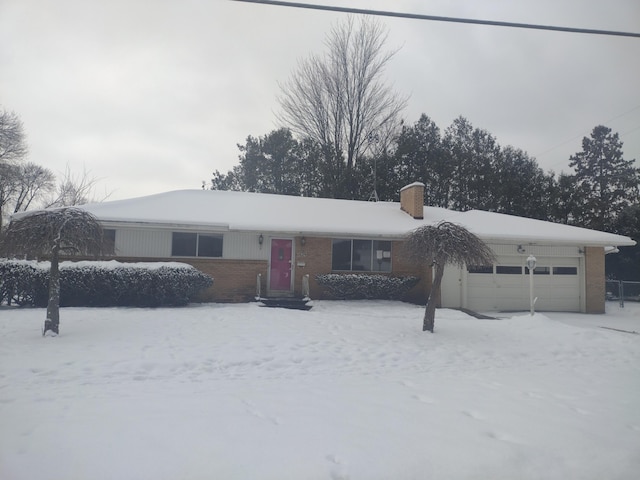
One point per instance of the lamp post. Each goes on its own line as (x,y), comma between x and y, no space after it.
(531,265)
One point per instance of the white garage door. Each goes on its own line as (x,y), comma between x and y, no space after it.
(505,286)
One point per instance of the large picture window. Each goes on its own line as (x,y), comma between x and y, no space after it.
(361,255)
(196,245)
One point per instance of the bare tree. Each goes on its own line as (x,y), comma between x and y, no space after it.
(75,190)
(33,182)
(8,181)
(13,148)
(441,244)
(340,99)
(51,233)
(13,144)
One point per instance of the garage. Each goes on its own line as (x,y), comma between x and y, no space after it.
(504,286)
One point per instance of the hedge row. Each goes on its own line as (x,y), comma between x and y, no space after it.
(102,284)
(358,287)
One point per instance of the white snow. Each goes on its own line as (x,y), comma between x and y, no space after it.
(348,390)
(103,264)
(256,212)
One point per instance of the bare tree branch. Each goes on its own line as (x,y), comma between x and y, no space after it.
(75,190)
(34,181)
(13,148)
(12,138)
(339,99)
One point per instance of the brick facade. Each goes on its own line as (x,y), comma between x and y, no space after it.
(235,280)
(412,200)
(314,258)
(402,265)
(594,279)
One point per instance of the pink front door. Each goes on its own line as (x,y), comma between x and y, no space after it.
(280,272)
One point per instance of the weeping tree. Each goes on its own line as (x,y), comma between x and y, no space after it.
(50,234)
(442,244)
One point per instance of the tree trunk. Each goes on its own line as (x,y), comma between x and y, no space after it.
(430,309)
(52,323)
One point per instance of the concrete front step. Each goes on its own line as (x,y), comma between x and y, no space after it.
(286,302)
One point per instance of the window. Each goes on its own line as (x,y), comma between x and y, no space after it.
(538,270)
(480,268)
(508,270)
(565,270)
(184,244)
(361,260)
(109,237)
(341,259)
(209,246)
(361,255)
(196,245)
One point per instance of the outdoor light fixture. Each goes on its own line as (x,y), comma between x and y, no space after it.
(303,241)
(531,265)
(260,239)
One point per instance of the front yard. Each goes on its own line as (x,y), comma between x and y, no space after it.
(348,390)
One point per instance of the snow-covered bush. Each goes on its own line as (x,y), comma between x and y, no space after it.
(23,282)
(355,287)
(102,284)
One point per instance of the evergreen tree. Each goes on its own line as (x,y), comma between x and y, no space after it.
(473,154)
(625,265)
(520,187)
(564,199)
(604,180)
(276,163)
(420,156)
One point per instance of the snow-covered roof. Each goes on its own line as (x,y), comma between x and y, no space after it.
(258,212)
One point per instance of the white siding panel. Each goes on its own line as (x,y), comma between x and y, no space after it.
(245,246)
(536,250)
(151,243)
(143,243)
(451,287)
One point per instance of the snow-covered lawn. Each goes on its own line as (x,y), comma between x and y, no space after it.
(348,390)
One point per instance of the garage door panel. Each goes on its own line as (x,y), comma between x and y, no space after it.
(559,292)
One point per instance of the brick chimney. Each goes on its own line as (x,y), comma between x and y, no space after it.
(412,200)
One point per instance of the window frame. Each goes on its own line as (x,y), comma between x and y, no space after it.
(197,251)
(379,258)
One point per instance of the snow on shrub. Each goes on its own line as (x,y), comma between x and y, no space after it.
(23,282)
(356,287)
(102,284)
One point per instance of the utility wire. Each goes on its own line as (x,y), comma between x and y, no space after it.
(435,18)
(587,133)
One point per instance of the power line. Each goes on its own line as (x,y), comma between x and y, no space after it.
(586,133)
(416,16)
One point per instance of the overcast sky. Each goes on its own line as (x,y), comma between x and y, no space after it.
(150,96)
